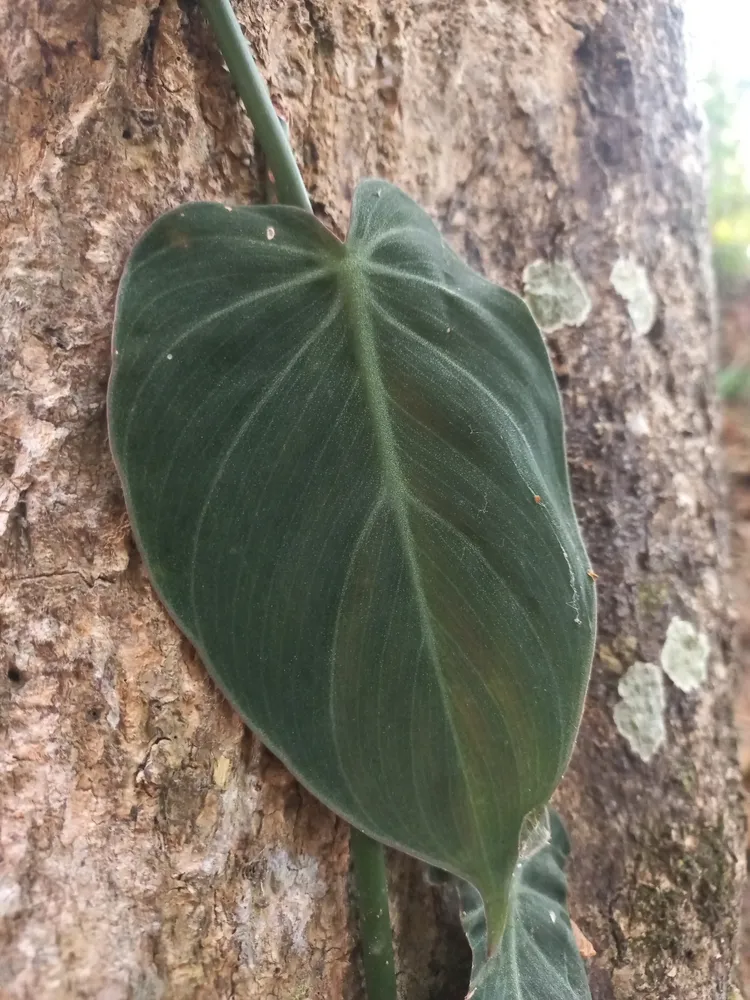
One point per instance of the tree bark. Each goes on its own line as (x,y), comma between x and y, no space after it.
(150,847)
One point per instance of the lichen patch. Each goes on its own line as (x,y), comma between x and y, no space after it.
(639,715)
(684,656)
(556,294)
(630,281)
(288,893)
(10,896)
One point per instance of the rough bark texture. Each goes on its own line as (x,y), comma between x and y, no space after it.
(150,849)
(735,324)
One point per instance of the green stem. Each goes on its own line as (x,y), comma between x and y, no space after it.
(254,94)
(367,855)
(368,858)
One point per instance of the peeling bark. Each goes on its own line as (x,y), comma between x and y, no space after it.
(150,848)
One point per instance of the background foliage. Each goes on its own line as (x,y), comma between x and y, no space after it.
(730,187)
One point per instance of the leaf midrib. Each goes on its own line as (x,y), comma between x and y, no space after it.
(357,310)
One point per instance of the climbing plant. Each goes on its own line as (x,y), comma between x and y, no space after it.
(345,469)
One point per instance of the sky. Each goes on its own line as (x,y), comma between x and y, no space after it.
(718,36)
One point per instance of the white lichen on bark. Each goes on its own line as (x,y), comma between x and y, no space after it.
(556,294)
(639,715)
(684,657)
(630,281)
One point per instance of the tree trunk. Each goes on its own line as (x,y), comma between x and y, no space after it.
(150,847)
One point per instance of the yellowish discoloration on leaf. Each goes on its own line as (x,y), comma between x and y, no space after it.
(179,239)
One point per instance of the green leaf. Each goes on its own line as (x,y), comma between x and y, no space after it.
(344,466)
(734,383)
(538,958)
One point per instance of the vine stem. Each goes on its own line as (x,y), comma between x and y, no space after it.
(368,856)
(254,94)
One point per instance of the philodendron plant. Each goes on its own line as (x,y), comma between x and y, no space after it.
(345,469)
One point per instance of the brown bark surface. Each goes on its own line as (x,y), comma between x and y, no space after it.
(735,336)
(150,848)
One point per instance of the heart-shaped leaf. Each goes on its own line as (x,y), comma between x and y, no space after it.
(344,465)
(538,958)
